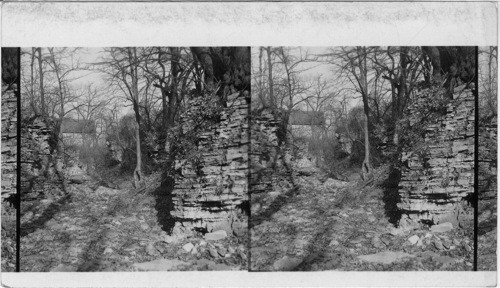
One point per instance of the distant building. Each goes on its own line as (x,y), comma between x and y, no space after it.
(76,132)
(306,124)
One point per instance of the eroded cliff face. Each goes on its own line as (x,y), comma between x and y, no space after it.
(211,189)
(9,175)
(10,99)
(9,142)
(487,160)
(264,152)
(438,179)
(270,164)
(37,166)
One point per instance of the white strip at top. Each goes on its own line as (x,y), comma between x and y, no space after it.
(101,24)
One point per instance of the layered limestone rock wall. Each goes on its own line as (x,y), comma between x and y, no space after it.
(269,175)
(439,175)
(36,164)
(211,189)
(9,172)
(263,152)
(9,142)
(487,160)
(10,100)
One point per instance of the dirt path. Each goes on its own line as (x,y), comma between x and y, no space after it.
(328,226)
(487,235)
(112,230)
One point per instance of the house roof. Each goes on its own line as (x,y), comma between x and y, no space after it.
(69,125)
(299,117)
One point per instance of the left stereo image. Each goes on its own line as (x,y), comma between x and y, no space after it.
(132,159)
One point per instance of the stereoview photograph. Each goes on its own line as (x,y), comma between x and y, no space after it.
(261,159)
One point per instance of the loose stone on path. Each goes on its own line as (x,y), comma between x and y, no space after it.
(64,268)
(438,244)
(413,239)
(188,247)
(386,257)
(159,265)
(441,228)
(286,263)
(217,235)
(213,252)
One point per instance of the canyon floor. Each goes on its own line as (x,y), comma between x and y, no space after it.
(320,224)
(345,225)
(96,228)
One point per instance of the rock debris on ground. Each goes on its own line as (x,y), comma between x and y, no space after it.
(343,226)
(106,229)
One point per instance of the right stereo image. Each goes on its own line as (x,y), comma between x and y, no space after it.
(373,158)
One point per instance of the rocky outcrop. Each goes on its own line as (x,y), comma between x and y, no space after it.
(9,142)
(37,165)
(487,170)
(264,152)
(212,186)
(9,162)
(438,177)
(270,164)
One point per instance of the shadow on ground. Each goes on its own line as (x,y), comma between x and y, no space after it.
(92,255)
(487,225)
(47,214)
(316,251)
(274,207)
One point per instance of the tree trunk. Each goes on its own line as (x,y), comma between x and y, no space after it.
(173,96)
(401,93)
(172,103)
(366,168)
(61,98)
(261,76)
(32,64)
(491,83)
(138,168)
(271,85)
(138,177)
(202,54)
(42,92)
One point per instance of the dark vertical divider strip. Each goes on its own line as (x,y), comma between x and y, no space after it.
(476,158)
(18,163)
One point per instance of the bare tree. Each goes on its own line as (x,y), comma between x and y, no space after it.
(272,99)
(42,92)
(293,89)
(321,94)
(401,66)
(324,95)
(91,107)
(353,62)
(488,73)
(30,100)
(122,66)
(172,71)
(281,85)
